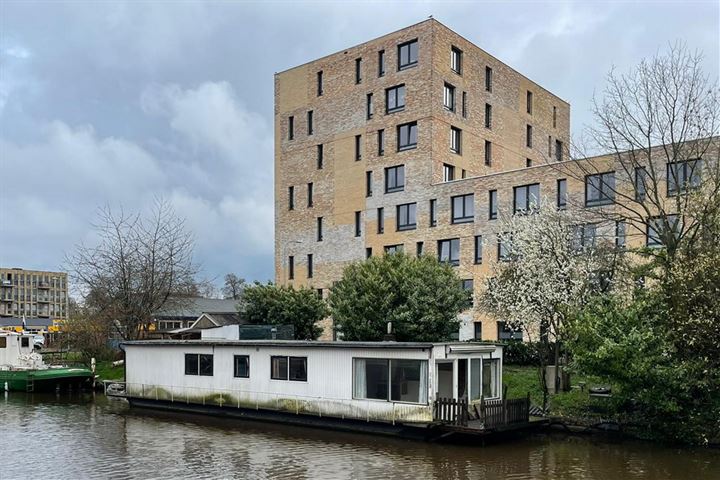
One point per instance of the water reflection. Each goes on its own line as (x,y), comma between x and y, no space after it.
(89,436)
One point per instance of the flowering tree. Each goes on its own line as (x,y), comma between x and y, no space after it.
(548,266)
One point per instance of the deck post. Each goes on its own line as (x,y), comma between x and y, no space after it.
(297,407)
(393,414)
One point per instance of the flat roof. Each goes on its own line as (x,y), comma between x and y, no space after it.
(303,343)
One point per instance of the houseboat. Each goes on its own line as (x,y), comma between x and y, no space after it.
(22,368)
(387,387)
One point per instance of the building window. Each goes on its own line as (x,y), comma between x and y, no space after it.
(309,265)
(381,142)
(488,115)
(529,102)
(392,380)
(526,198)
(242,366)
(407,54)
(456,60)
(558,151)
(449,97)
(368,184)
(419,246)
(407,136)
(320,155)
(561,193)
(288,368)
(358,147)
(392,249)
(477,330)
(464,104)
(549,146)
(503,251)
(448,173)
(319,83)
(488,153)
(528,162)
(584,236)
(406,216)
(507,332)
(449,251)
(528,136)
(380,220)
(310,194)
(291,267)
(291,128)
(358,224)
(291,198)
(381,63)
(455,140)
(620,233)
(478,249)
(199,364)
(488,79)
(683,176)
(395,179)
(640,184)
(319,229)
(600,189)
(395,99)
(368,252)
(310,122)
(369,106)
(554,117)
(469,286)
(657,232)
(433,212)
(493,206)
(358,70)
(463,208)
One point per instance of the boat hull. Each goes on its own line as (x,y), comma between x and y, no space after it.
(46,380)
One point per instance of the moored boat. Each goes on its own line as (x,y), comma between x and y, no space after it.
(23,369)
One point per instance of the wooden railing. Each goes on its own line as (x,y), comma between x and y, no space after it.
(488,413)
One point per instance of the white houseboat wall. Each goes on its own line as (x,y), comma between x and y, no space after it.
(370,381)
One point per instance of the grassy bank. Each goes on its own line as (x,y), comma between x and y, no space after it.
(106,371)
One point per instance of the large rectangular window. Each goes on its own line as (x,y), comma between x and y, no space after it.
(600,189)
(381,63)
(449,97)
(526,198)
(433,212)
(288,368)
(407,136)
(683,176)
(406,216)
(561,193)
(393,380)
(456,60)
(449,251)
(478,249)
(241,366)
(392,249)
(395,99)
(199,364)
(407,54)
(584,236)
(492,205)
(658,232)
(463,208)
(508,332)
(455,140)
(395,179)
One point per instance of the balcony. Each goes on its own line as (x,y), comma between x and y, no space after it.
(5,283)
(43,300)
(44,285)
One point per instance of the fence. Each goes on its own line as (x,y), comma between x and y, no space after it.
(488,413)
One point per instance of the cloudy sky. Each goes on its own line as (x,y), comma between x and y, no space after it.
(113,102)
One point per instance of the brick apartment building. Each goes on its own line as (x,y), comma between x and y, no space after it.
(415,141)
(33,294)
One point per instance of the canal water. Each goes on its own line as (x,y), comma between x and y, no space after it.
(90,436)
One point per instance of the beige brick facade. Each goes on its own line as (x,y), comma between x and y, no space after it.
(33,293)
(339,187)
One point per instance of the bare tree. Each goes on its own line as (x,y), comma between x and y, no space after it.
(137,266)
(657,128)
(234,286)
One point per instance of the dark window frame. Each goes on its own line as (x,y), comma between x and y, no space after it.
(291,197)
(433,212)
(449,97)
(448,172)
(310,126)
(488,116)
(310,198)
(488,79)
(688,178)
(320,156)
(456,140)
(291,267)
(529,102)
(291,127)
(320,90)
(528,207)
(456,60)
(488,153)
(478,250)
(467,203)
(454,261)
(408,146)
(381,63)
(236,370)
(358,147)
(358,223)
(561,196)
(319,229)
(381,142)
(528,136)
(392,183)
(404,212)
(368,184)
(492,205)
(381,220)
(640,184)
(358,71)
(369,110)
(410,63)
(198,363)
(605,198)
(394,93)
(310,265)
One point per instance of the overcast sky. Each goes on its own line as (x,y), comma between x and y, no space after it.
(116,102)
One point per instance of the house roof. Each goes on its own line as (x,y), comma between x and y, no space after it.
(222,319)
(193,307)
(306,343)
(29,322)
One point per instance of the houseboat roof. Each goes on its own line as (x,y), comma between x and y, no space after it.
(312,344)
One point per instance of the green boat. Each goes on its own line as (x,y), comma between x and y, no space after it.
(23,370)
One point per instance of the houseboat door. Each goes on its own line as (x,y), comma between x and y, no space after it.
(445,379)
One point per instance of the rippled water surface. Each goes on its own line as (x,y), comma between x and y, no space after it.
(92,437)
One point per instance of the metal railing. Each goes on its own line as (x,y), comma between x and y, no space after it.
(368,410)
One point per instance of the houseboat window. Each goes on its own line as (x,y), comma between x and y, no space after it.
(24,342)
(3,342)
(198,364)
(475,379)
(242,366)
(489,377)
(394,380)
(288,368)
